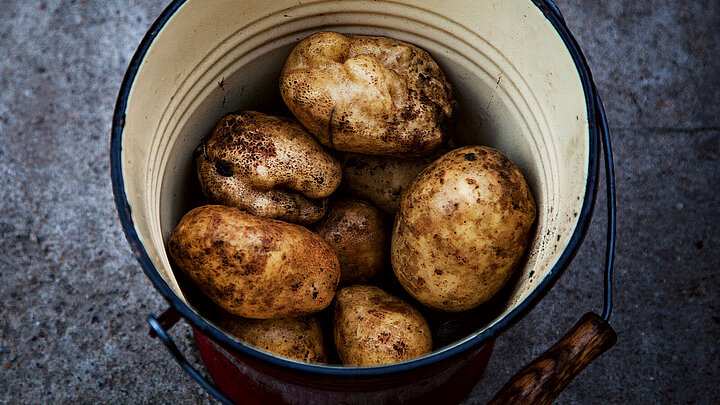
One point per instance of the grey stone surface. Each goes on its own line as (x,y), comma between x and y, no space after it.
(73,299)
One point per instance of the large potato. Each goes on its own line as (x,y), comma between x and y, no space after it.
(461,229)
(379,179)
(356,232)
(367,94)
(268,166)
(372,327)
(255,267)
(298,338)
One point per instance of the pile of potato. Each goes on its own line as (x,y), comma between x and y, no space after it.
(303,207)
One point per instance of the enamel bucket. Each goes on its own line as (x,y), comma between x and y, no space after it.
(523,86)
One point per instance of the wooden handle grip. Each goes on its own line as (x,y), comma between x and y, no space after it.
(541,381)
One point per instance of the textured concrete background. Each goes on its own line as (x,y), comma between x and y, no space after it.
(73,300)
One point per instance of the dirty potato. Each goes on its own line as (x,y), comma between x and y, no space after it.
(298,338)
(379,179)
(462,228)
(255,267)
(357,233)
(367,94)
(372,327)
(268,166)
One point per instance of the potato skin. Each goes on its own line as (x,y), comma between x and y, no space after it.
(255,267)
(372,328)
(462,228)
(367,94)
(298,338)
(380,179)
(268,166)
(356,231)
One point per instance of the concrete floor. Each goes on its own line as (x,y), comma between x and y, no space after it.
(73,299)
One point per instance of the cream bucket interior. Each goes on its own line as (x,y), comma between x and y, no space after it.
(516,82)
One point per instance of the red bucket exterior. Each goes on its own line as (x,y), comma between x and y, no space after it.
(247,381)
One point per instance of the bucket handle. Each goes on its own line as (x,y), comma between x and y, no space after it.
(158,328)
(541,381)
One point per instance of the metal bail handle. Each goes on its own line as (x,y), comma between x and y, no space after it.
(182,361)
(604,134)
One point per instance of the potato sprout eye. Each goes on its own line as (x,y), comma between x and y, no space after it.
(223,168)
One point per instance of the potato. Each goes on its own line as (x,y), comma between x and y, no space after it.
(367,94)
(298,338)
(461,229)
(357,233)
(372,327)
(379,179)
(268,166)
(255,267)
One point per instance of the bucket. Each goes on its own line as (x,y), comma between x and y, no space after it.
(523,87)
